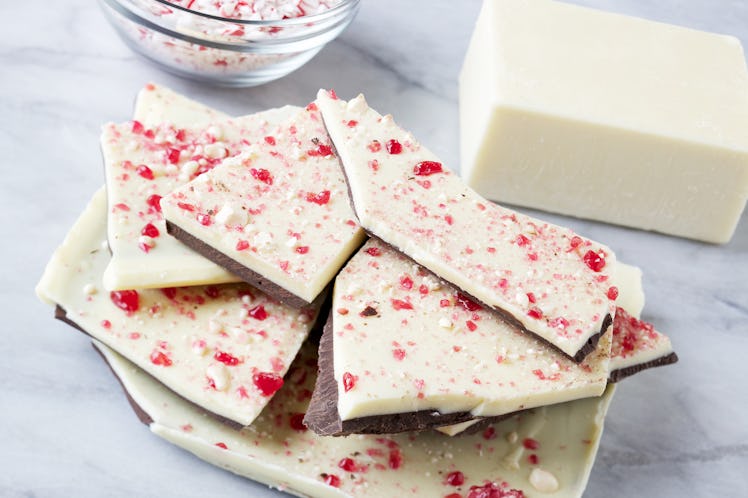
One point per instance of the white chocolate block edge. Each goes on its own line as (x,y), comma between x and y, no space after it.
(300,463)
(549,279)
(223,347)
(606,117)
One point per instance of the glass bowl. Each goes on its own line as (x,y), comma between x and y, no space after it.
(220,50)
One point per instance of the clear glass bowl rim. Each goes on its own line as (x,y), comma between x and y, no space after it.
(291,21)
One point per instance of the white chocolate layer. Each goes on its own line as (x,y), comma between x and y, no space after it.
(607,117)
(142,162)
(212,345)
(412,342)
(280,208)
(539,273)
(636,342)
(299,462)
(157,104)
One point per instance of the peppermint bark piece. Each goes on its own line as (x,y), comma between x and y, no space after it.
(142,165)
(404,351)
(224,347)
(278,451)
(544,278)
(277,215)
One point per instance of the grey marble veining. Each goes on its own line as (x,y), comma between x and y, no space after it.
(66,429)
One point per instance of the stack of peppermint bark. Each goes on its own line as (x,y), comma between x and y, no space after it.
(468,350)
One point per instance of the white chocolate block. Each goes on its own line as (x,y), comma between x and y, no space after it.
(223,347)
(549,279)
(412,342)
(143,164)
(279,209)
(607,117)
(276,451)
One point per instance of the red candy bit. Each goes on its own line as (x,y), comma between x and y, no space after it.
(270,140)
(137,127)
(533,459)
(613,293)
(169,292)
(222,446)
(395,460)
(159,358)
(375,146)
(493,490)
(595,261)
(331,480)
(455,478)
(352,123)
(145,172)
(150,230)
(262,175)
(204,219)
(521,240)
(297,422)
(374,251)
(268,383)
(173,155)
(453,495)
(575,242)
(398,354)
(186,206)
(467,303)
(559,323)
(406,282)
(444,303)
(126,300)
(154,201)
(427,168)
(258,312)
(530,443)
(312,107)
(302,249)
(394,147)
(106,324)
(121,206)
(399,304)
(212,291)
(322,150)
(535,313)
(448,218)
(471,326)
(226,358)
(242,245)
(349,381)
(321,198)
(531,297)
(348,464)
(489,433)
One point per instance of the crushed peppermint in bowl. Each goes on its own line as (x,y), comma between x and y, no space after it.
(229,42)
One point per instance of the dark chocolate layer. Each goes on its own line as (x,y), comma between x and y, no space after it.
(251,277)
(323,417)
(622,373)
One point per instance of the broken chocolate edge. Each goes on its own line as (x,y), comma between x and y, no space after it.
(507,317)
(61,314)
(622,373)
(249,276)
(323,418)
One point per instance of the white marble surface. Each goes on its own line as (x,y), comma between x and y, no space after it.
(66,429)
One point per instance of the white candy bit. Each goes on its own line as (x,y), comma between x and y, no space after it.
(522,299)
(90,289)
(431,283)
(543,481)
(188,169)
(229,215)
(291,242)
(512,437)
(199,347)
(146,241)
(263,240)
(220,376)
(215,131)
(215,327)
(445,323)
(216,150)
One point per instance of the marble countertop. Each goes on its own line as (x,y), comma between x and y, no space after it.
(65,427)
